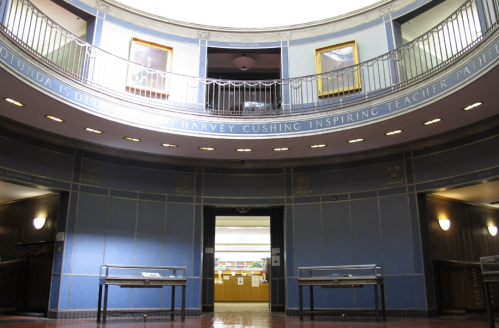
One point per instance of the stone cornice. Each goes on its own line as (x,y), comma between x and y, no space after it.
(228,34)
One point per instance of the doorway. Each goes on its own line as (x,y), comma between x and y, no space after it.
(28,226)
(233,266)
(251,65)
(460,226)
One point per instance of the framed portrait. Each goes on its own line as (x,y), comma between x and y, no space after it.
(337,58)
(144,78)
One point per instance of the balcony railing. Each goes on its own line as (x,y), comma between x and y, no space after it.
(136,83)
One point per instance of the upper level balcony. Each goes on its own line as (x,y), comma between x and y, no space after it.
(344,93)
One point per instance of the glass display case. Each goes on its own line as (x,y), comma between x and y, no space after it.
(341,271)
(489,266)
(138,274)
(141,276)
(341,276)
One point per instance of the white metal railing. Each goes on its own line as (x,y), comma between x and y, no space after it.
(98,69)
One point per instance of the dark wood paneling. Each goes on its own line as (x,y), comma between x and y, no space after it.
(10,274)
(466,241)
(468,238)
(16,223)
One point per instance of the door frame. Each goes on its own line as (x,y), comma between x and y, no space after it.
(277,273)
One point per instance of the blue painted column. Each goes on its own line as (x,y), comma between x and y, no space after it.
(390,42)
(203,58)
(4,6)
(285,102)
(98,25)
(482,18)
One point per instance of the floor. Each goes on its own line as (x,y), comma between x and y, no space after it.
(248,307)
(242,319)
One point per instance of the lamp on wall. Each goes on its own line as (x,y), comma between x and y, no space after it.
(444,224)
(39,222)
(492,230)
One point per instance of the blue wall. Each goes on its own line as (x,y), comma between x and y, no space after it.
(131,212)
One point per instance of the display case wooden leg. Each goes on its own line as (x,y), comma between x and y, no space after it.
(300,292)
(172,314)
(312,302)
(99,304)
(183,303)
(104,312)
(383,306)
(376,302)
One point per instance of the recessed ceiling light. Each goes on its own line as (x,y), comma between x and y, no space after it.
(472,106)
(391,133)
(281,149)
(54,118)
(355,140)
(432,121)
(318,146)
(12,101)
(131,139)
(93,130)
(206,148)
(244,149)
(169,145)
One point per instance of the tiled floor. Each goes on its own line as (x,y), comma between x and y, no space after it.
(241,319)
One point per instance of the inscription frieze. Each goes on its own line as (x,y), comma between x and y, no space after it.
(295,126)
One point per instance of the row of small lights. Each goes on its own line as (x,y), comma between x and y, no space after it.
(14,102)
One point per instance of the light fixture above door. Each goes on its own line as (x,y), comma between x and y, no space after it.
(243,62)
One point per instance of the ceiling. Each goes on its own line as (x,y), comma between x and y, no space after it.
(10,192)
(483,194)
(234,234)
(242,221)
(419,25)
(257,13)
(449,109)
(64,18)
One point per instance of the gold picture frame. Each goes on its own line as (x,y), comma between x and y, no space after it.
(145,79)
(337,57)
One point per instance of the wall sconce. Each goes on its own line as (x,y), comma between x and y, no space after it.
(233,273)
(219,271)
(39,223)
(444,224)
(492,230)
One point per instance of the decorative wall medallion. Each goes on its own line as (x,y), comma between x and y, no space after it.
(395,174)
(203,35)
(284,36)
(303,185)
(184,184)
(385,10)
(91,173)
(102,7)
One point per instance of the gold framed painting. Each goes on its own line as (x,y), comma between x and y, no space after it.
(147,78)
(337,58)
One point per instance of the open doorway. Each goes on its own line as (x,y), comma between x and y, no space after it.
(460,226)
(251,65)
(28,227)
(249,241)
(242,252)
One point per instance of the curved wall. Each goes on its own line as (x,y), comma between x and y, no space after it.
(143,212)
(137,212)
